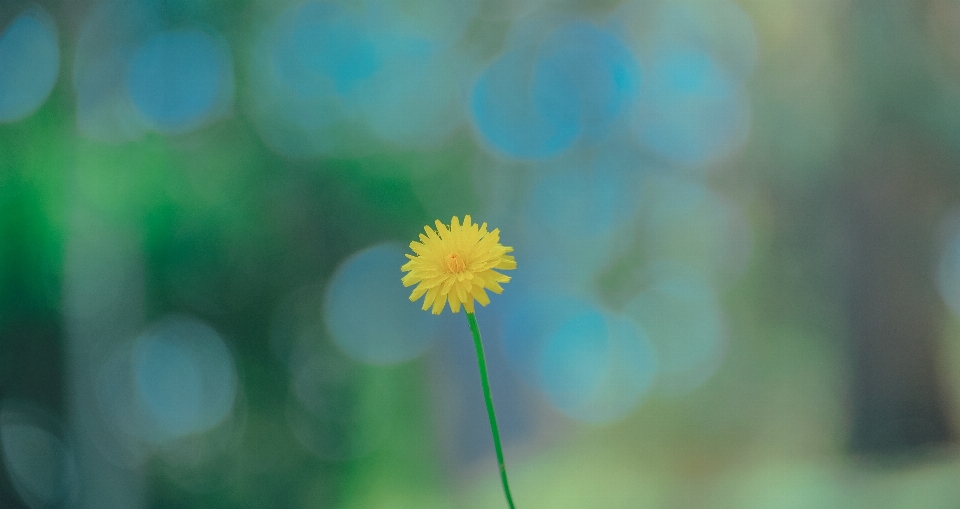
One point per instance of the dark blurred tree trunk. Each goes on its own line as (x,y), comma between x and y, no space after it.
(899,184)
(892,209)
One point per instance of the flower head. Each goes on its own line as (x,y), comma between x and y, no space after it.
(456,264)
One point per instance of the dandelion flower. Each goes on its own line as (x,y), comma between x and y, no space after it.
(456,265)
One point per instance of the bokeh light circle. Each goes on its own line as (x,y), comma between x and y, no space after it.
(596,367)
(336,78)
(184,376)
(368,313)
(304,78)
(579,198)
(591,365)
(574,360)
(179,78)
(109,37)
(579,215)
(719,26)
(684,322)
(37,461)
(415,100)
(692,110)
(324,45)
(529,322)
(586,75)
(507,119)
(416,97)
(29,63)
(551,87)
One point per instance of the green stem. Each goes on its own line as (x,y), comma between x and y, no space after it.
(482,363)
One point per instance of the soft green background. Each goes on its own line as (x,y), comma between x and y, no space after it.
(225,229)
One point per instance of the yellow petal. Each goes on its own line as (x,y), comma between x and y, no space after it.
(487,245)
(418,292)
(435,280)
(446,285)
(431,296)
(480,295)
(431,235)
(410,279)
(438,305)
(493,275)
(442,230)
(494,287)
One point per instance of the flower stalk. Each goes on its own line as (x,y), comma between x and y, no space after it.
(482,364)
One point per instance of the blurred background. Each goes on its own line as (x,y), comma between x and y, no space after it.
(736,226)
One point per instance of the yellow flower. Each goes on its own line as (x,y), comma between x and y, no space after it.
(455,264)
